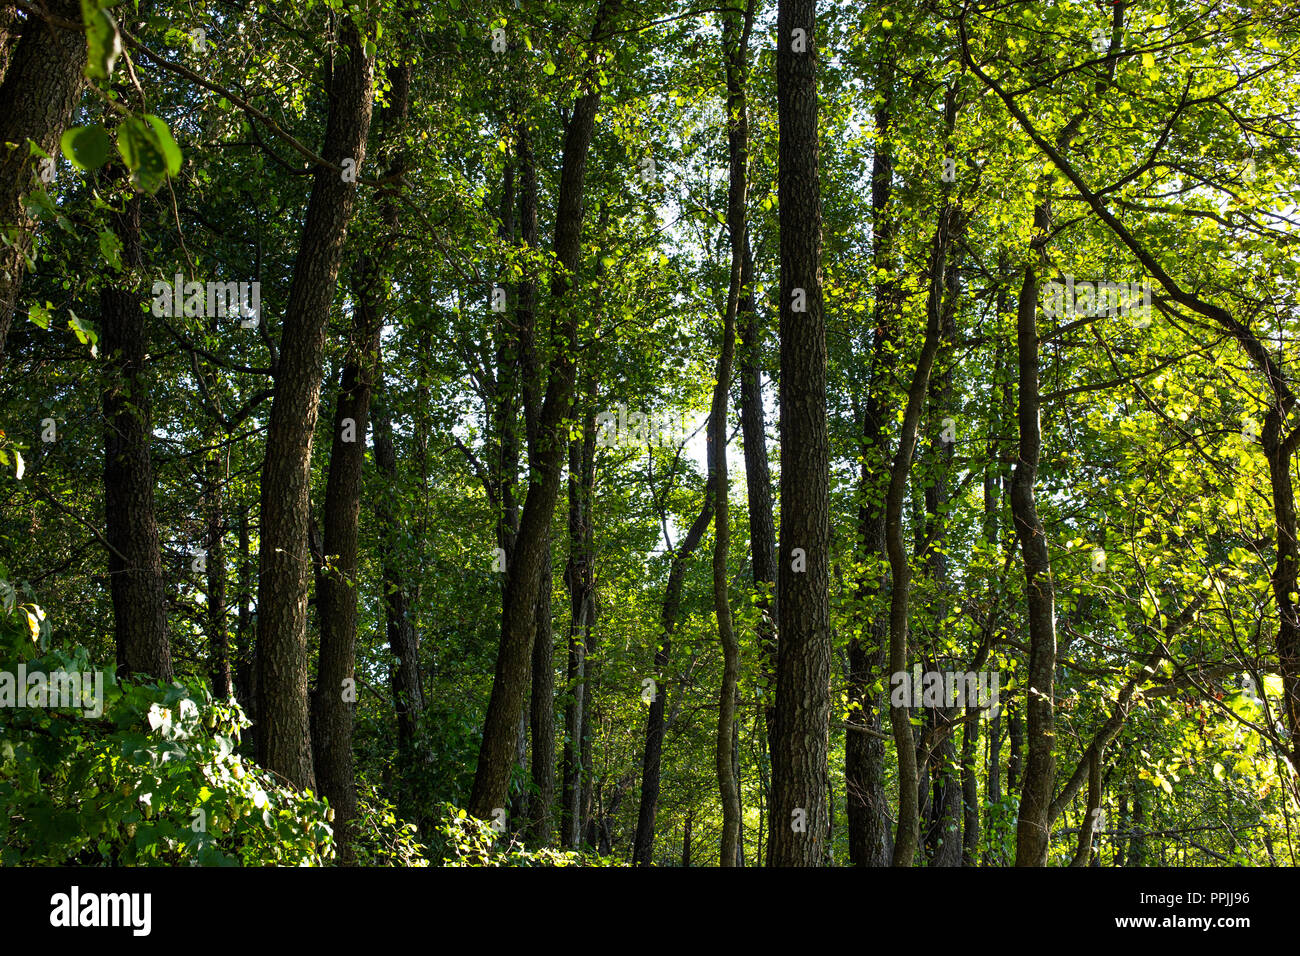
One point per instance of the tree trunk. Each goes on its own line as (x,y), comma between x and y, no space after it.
(519,621)
(870,842)
(799,811)
(542,713)
(735,44)
(1040,767)
(284,743)
(946,840)
(403,641)
(217,611)
(758,487)
(337,597)
(907,837)
(643,845)
(131,528)
(579,577)
(41,87)
(246,669)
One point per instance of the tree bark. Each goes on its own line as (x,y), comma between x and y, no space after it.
(403,641)
(799,812)
(579,577)
(542,713)
(643,845)
(870,842)
(217,611)
(41,87)
(735,48)
(131,528)
(1040,603)
(284,743)
(337,597)
(907,836)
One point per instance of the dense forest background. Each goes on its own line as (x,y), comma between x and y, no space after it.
(591,433)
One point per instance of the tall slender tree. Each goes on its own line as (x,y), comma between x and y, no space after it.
(799,812)
(283,739)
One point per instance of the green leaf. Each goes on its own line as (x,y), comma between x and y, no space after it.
(171,151)
(86,146)
(149,151)
(39,315)
(103,41)
(110,247)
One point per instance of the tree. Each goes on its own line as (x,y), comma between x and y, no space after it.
(284,742)
(799,800)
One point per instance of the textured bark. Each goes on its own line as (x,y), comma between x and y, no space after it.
(1040,602)
(9,32)
(217,610)
(1015,746)
(519,620)
(284,743)
(870,842)
(804,654)
(1286,570)
(945,838)
(403,641)
(337,597)
(993,481)
(1137,842)
(332,716)
(1084,847)
(245,647)
(542,713)
(735,40)
(40,89)
(574,715)
(579,578)
(758,487)
(130,525)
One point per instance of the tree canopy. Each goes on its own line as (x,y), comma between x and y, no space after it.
(541,434)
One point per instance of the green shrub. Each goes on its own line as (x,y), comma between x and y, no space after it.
(153,779)
(469,841)
(379,837)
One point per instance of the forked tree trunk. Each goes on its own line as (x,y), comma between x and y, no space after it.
(284,738)
(519,620)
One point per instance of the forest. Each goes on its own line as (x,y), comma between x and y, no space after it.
(766,433)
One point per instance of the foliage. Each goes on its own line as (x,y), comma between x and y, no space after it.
(153,780)
(469,841)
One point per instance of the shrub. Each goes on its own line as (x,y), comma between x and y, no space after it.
(153,779)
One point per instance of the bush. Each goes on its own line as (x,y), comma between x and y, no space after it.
(469,841)
(153,779)
(379,838)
